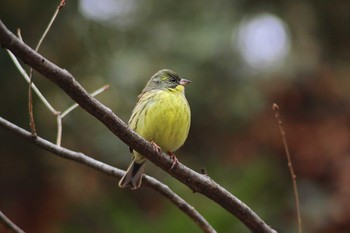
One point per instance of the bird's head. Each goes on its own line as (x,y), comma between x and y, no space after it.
(165,79)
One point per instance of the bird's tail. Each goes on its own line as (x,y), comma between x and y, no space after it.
(133,176)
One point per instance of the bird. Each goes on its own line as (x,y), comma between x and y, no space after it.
(162,116)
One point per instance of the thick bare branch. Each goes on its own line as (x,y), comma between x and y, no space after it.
(109,170)
(195,181)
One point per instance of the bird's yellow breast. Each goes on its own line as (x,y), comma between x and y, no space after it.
(163,116)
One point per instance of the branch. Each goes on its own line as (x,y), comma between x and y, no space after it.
(195,181)
(59,7)
(108,170)
(26,77)
(30,93)
(290,166)
(58,114)
(95,93)
(9,225)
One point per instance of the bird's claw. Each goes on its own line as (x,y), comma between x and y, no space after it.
(175,160)
(156,147)
(171,154)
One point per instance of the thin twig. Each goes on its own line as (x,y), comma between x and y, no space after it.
(30,95)
(19,34)
(109,170)
(59,7)
(59,129)
(58,115)
(195,181)
(30,82)
(95,93)
(10,226)
(30,108)
(26,77)
(68,110)
(276,108)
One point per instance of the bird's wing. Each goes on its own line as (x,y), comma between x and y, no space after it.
(141,106)
(144,100)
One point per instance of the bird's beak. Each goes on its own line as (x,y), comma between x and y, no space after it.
(184,82)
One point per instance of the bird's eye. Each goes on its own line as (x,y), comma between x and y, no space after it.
(172,79)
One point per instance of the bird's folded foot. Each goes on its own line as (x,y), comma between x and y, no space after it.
(175,160)
(156,147)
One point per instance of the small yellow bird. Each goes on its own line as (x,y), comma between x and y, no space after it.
(163,117)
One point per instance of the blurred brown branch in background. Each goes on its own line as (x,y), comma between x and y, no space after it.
(276,108)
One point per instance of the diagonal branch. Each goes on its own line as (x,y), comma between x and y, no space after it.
(108,170)
(195,181)
(26,77)
(9,225)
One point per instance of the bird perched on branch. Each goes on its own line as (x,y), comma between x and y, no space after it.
(162,116)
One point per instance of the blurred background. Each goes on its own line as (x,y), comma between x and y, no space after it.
(242,56)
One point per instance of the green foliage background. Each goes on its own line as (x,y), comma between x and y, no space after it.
(233,133)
